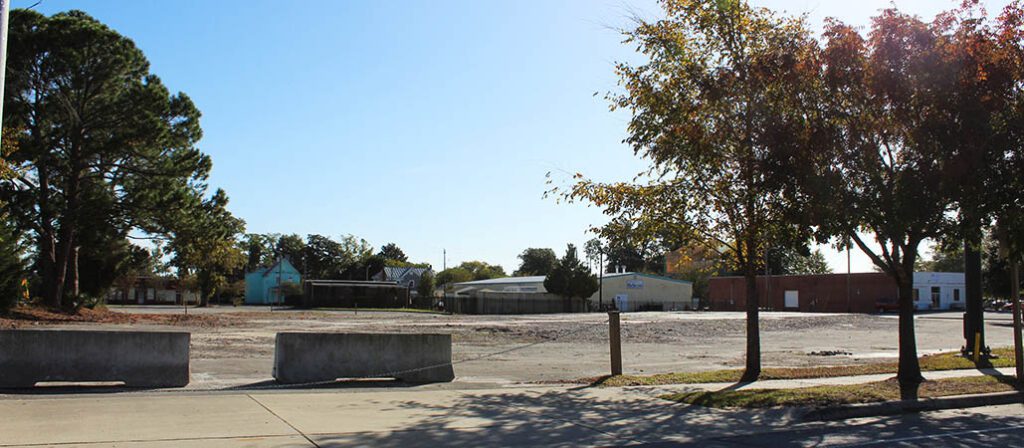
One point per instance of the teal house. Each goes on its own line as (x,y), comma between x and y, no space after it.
(263,286)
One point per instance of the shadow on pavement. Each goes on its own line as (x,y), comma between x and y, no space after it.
(611,418)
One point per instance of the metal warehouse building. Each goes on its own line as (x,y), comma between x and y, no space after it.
(837,293)
(629,291)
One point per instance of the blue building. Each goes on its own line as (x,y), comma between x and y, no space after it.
(263,286)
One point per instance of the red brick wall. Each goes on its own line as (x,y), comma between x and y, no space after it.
(821,293)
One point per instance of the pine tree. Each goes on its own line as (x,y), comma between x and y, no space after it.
(570,277)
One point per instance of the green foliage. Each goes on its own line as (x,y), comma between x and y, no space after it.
(288,289)
(426,286)
(454,275)
(469,271)
(570,277)
(392,252)
(292,248)
(258,249)
(103,147)
(483,271)
(536,261)
(727,92)
(945,258)
(786,261)
(403,264)
(204,244)
(12,265)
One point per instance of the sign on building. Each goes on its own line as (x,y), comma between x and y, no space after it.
(635,284)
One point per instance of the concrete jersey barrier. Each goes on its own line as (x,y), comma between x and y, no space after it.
(315,357)
(139,359)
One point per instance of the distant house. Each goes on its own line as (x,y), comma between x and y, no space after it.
(152,290)
(408,277)
(263,286)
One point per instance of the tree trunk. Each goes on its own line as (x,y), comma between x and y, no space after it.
(974,318)
(72,285)
(909,374)
(48,268)
(753,370)
(64,245)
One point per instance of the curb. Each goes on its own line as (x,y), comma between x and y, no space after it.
(908,406)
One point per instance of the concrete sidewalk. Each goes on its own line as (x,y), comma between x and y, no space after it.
(527,416)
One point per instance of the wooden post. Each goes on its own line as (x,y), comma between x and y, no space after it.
(615,340)
(1018,348)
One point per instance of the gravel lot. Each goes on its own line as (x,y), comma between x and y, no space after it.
(239,349)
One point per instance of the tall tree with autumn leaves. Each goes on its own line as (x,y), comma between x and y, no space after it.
(915,108)
(728,92)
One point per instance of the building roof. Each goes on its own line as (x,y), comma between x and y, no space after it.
(540,279)
(265,271)
(399,274)
(505,281)
(359,283)
(640,274)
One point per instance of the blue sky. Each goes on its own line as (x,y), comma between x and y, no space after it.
(430,124)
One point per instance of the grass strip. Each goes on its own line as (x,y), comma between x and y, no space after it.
(819,396)
(929,363)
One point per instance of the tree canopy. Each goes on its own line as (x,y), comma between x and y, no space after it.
(570,277)
(102,147)
(536,261)
(391,252)
(727,90)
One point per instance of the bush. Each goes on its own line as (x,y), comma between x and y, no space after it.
(12,266)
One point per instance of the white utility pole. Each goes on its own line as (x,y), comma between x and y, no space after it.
(5,6)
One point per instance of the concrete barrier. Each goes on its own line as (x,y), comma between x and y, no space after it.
(314,357)
(137,358)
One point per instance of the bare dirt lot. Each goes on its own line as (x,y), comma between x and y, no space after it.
(235,346)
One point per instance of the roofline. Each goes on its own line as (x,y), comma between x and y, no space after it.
(832,273)
(659,277)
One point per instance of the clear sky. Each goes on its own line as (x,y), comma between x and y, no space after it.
(430,124)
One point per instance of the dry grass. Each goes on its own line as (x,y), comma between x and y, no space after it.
(929,363)
(818,396)
(23,316)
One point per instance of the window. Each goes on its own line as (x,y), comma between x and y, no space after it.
(956,294)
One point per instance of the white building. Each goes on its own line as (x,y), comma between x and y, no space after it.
(939,290)
(629,291)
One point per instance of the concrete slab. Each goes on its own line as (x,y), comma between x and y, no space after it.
(137,358)
(372,412)
(106,419)
(313,357)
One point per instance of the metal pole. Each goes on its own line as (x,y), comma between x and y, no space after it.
(849,295)
(4,14)
(615,340)
(767,283)
(600,280)
(1018,348)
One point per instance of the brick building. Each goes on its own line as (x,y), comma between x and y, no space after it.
(837,293)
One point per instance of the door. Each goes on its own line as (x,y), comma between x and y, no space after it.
(792,299)
(936,301)
(622,302)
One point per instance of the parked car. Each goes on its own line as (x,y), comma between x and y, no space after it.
(887,304)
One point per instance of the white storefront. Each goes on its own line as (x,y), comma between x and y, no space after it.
(939,290)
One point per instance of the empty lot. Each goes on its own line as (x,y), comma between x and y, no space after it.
(235,346)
